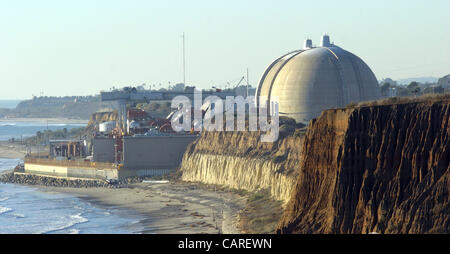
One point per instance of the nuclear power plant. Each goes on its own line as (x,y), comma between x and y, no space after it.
(301,83)
(307,81)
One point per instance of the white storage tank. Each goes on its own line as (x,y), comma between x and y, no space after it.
(134,125)
(106,126)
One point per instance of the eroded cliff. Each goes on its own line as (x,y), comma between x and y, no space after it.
(374,169)
(100,117)
(240,161)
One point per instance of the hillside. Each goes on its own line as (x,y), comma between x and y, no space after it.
(74,107)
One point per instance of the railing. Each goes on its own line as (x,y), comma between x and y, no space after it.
(67,163)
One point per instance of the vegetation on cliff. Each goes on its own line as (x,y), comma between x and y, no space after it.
(42,137)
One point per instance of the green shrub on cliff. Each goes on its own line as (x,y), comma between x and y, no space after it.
(46,135)
(255,197)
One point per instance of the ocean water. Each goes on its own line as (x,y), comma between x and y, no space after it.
(27,210)
(20,130)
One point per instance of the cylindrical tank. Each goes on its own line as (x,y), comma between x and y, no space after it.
(106,126)
(134,125)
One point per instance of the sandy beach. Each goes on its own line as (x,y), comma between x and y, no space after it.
(17,150)
(12,150)
(169,208)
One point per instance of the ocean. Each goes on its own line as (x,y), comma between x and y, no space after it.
(19,130)
(26,210)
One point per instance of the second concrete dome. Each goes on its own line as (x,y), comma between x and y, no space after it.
(307,81)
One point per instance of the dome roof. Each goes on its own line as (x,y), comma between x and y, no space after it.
(305,82)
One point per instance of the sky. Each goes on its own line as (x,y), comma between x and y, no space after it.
(60,48)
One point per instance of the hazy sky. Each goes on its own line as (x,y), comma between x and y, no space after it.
(81,47)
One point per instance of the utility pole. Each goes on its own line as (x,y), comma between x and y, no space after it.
(184,61)
(247,83)
(48,134)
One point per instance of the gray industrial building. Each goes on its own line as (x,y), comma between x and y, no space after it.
(155,152)
(144,155)
(307,81)
(103,149)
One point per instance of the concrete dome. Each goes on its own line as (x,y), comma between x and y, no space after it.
(307,81)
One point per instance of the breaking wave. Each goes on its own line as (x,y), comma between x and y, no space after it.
(18,215)
(65,223)
(5,209)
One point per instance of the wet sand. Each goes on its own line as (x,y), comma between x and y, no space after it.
(169,208)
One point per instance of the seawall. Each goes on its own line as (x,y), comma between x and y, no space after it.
(70,169)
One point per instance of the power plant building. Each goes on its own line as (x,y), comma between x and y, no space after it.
(307,81)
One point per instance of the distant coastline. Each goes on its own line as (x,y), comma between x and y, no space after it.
(44,120)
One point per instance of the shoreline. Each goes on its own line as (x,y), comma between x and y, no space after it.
(165,207)
(168,208)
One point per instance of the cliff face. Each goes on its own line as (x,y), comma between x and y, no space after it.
(240,161)
(100,117)
(380,168)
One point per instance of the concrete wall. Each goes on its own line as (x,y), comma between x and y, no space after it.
(155,152)
(103,149)
(91,173)
(67,171)
(46,170)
